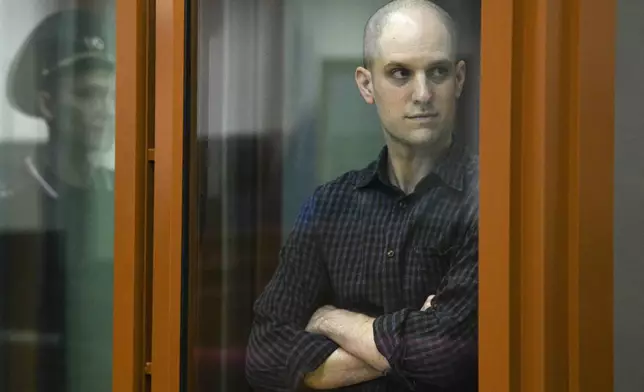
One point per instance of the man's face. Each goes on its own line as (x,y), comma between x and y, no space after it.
(414,79)
(82,109)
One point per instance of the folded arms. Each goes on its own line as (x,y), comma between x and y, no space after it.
(335,347)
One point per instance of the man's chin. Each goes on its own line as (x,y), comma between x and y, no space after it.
(422,137)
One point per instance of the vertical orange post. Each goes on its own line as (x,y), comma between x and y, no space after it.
(168,220)
(498,155)
(130,194)
(591,156)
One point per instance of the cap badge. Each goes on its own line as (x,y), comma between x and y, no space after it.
(94,43)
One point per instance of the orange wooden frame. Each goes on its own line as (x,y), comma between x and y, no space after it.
(546,195)
(168,203)
(131,201)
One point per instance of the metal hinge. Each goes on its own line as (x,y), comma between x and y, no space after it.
(147,369)
(151,154)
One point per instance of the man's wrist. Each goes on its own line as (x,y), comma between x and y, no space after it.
(354,333)
(327,325)
(318,320)
(335,323)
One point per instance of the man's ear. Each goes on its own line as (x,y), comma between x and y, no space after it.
(461,69)
(365,84)
(45,105)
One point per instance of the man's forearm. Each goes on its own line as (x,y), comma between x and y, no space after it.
(341,369)
(354,333)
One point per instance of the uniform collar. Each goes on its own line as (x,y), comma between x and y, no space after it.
(40,178)
(50,185)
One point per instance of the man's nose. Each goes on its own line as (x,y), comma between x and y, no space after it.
(103,106)
(422,90)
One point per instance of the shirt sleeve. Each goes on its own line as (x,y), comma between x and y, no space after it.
(438,346)
(280,352)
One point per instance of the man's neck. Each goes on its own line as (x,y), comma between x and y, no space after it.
(408,165)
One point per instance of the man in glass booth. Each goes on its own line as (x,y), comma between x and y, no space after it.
(377,285)
(56,212)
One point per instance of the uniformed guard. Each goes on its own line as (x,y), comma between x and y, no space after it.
(56,212)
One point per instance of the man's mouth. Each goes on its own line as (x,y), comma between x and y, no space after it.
(423,116)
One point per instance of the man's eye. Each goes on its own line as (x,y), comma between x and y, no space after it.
(439,72)
(399,73)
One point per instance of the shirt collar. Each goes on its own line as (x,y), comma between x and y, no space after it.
(450,169)
(50,184)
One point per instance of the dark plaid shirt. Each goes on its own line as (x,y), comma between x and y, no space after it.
(361,244)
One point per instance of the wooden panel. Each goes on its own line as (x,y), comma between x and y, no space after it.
(130,195)
(498,335)
(168,222)
(591,133)
(546,196)
(542,359)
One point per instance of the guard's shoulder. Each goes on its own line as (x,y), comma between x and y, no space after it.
(17,184)
(16,191)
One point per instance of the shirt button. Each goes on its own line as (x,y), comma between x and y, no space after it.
(390,253)
(402,204)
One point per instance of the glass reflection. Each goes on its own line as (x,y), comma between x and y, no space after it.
(283,110)
(629,193)
(56,198)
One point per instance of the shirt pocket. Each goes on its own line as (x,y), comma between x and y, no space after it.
(426,269)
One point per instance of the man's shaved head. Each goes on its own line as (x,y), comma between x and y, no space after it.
(412,73)
(379,21)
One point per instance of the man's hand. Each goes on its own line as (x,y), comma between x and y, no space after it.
(428,303)
(341,369)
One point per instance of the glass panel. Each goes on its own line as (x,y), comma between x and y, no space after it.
(56,195)
(629,193)
(284,106)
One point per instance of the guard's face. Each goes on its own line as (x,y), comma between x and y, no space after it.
(414,80)
(83,109)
